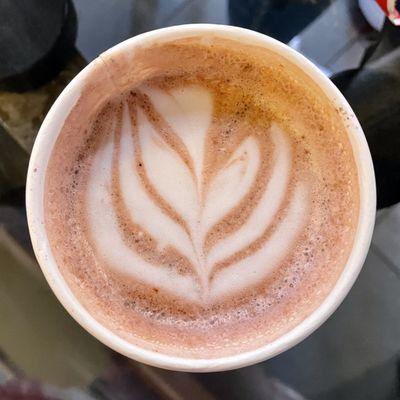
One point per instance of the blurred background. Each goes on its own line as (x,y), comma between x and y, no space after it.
(44,354)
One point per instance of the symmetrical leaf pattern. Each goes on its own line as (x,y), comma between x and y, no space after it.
(165,195)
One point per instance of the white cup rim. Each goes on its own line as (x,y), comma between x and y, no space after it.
(35,212)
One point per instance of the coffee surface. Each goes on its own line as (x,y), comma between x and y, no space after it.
(202,197)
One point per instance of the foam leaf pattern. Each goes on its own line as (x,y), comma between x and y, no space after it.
(188,114)
(231,183)
(266,208)
(142,209)
(109,243)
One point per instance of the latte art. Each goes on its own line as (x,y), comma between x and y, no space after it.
(167,196)
(201,209)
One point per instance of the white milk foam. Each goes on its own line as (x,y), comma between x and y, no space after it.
(188,111)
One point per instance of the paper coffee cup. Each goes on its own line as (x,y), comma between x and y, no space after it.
(35,206)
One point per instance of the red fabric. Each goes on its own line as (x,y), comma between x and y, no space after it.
(391,9)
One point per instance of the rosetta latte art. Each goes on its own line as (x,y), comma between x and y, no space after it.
(202,196)
(158,177)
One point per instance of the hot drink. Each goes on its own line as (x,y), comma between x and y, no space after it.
(202,197)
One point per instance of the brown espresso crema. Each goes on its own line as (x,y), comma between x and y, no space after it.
(202,197)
